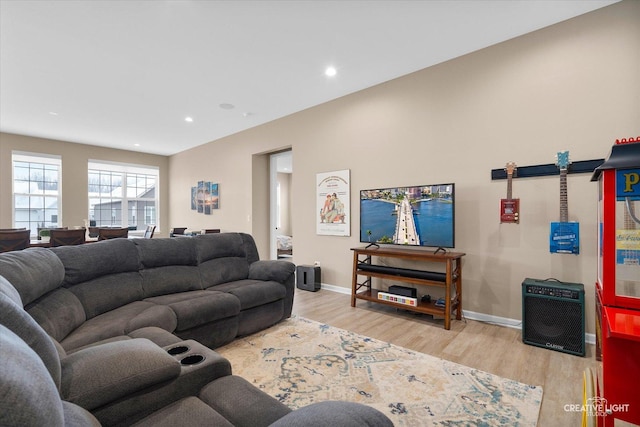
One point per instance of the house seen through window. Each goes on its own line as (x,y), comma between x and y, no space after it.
(122,195)
(36,191)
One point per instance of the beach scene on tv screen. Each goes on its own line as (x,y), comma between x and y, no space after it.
(419,216)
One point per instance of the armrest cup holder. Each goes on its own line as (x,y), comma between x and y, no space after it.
(192,359)
(178,349)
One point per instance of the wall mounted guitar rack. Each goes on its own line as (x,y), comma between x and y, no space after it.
(583,166)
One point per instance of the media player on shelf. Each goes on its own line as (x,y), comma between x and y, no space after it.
(404,291)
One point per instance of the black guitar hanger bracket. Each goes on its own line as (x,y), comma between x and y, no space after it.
(582,166)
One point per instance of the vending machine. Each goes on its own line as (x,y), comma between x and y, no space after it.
(613,392)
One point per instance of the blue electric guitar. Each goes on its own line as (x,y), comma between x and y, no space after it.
(564,237)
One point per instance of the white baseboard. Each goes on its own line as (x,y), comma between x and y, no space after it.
(472,315)
(334,288)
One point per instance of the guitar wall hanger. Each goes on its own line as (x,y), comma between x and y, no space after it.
(583,166)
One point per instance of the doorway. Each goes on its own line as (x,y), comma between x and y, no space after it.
(280,175)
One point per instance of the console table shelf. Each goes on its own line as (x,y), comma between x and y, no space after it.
(450,280)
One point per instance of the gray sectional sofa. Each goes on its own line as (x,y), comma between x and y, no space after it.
(210,288)
(122,332)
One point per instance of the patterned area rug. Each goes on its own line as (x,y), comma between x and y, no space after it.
(300,361)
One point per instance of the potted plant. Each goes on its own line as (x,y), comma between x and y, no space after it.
(44,234)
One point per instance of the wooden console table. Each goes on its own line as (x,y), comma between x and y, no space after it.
(451,279)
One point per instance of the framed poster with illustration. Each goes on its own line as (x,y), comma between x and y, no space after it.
(333,213)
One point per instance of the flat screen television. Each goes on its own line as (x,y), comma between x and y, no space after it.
(422,215)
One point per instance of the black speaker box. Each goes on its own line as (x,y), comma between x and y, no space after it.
(405,291)
(553,315)
(308,277)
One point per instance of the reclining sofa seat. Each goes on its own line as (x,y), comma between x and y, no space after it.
(210,288)
(39,387)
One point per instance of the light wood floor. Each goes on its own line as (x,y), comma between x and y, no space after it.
(495,349)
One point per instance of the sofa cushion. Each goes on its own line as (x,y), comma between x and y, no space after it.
(97,375)
(223,270)
(261,317)
(250,248)
(197,308)
(280,271)
(33,272)
(335,413)
(163,252)
(29,395)
(219,245)
(121,321)
(108,292)
(75,415)
(170,279)
(190,408)
(158,336)
(86,262)
(10,291)
(214,334)
(227,394)
(59,312)
(252,293)
(13,317)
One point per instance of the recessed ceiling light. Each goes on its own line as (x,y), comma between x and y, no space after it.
(53,113)
(136,145)
(226,106)
(188,119)
(330,71)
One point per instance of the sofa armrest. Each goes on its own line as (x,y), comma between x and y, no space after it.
(279,271)
(334,413)
(97,375)
(192,379)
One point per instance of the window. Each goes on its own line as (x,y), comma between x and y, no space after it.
(122,195)
(36,191)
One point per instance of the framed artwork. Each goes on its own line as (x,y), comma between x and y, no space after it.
(205,197)
(333,213)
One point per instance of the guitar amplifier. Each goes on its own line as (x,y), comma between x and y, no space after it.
(553,315)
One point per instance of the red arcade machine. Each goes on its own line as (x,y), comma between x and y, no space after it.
(615,393)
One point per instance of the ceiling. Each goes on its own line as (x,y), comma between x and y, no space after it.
(126,74)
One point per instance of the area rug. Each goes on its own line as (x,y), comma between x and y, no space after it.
(300,362)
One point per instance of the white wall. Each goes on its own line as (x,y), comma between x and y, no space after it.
(573,86)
